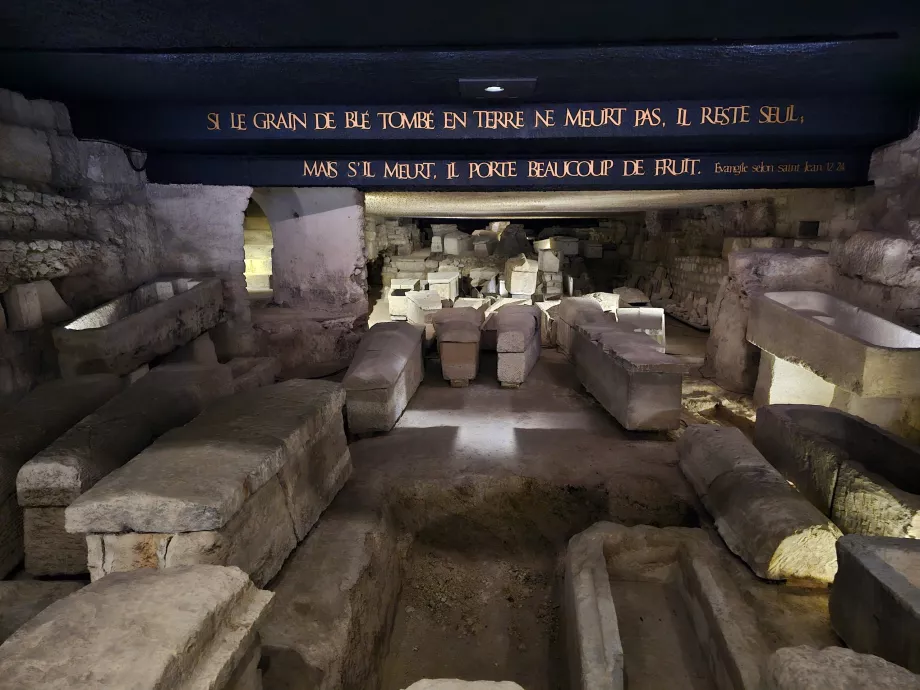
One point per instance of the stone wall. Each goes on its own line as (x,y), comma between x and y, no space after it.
(73,212)
(201,228)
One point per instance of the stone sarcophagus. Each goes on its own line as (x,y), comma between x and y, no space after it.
(131,330)
(194,627)
(241,485)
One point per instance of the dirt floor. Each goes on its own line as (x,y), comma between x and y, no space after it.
(477,619)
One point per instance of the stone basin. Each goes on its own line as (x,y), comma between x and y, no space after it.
(135,328)
(843,344)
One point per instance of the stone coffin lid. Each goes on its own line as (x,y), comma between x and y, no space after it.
(807,668)
(458,325)
(43,415)
(167,397)
(516,325)
(391,336)
(425,299)
(574,309)
(375,369)
(196,477)
(640,352)
(443,276)
(183,628)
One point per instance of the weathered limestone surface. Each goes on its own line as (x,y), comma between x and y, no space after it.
(199,351)
(185,628)
(518,342)
(28,427)
(571,312)
(22,600)
(865,479)
(336,600)
(875,600)
(118,337)
(730,359)
(250,373)
(422,307)
(646,320)
(629,377)
(240,484)
(169,396)
(458,332)
(521,275)
(445,283)
(384,375)
(834,668)
(762,519)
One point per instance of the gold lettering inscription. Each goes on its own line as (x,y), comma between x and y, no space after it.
(213,121)
(725,115)
(420,119)
(357,120)
(500,119)
(779,115)
(732,169)
(452,171)
(576,168)
(649,117)
(323,121)
(545,119)
(238,121)
(409,171)
(487,169)
(453,120)
(594,117)
(682,120)
(320,169)
(674,167)
(631,168)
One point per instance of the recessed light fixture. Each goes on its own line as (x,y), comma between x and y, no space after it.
(495,89)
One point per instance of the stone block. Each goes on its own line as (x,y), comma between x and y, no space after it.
(24,154)
(28,427)
(22,600)
(250,373)
(437,244)
(170,396)
(199,351)
(188,627)
(23,307)
(121,335)
(762,519)
(833,668)
(521,275)
(878,258)
(638,385)
(860,476)
(384,375)
(518,342)
(875,600)
(590,249)
(445,283)
(458,332)
(238,485)
(549,260)
(422,307)
(457,243)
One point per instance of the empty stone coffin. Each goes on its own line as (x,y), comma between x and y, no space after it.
(865,479)
(384,375)
(458,332)
(239,485)
(622,581)
(137,327)
(27,428)
(422,307)
(875,600)
(397,302)
(184,629)
(628,375)
(762,519)
(841,343)
(169,396)
(518,343)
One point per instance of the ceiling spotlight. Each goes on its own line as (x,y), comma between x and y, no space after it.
(495,89)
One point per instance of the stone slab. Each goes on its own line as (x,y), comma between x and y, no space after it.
(250,373)
(28,427)
(198,476)
(114,339)
(184,628)
(49,548)
(762,519)
(22,600)
(336,601)
(875,600)
(833,668)
(445,283)
(862,477)
(23,307)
